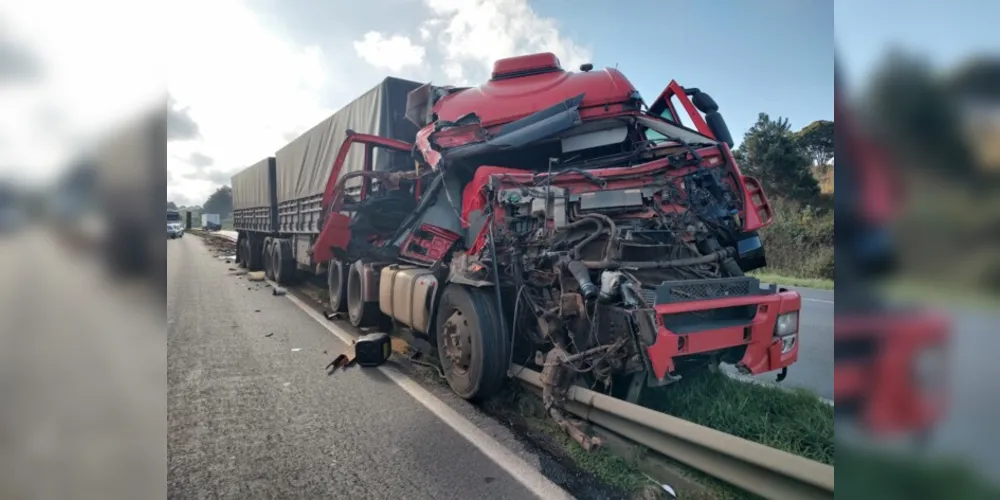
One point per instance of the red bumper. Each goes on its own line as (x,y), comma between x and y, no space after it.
(879,381)
(763,350)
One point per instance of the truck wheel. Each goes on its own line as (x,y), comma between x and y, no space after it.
(474,352)
(268,256)
(282,265)
(254,256)
(361,313)
(241,254)
(336,285)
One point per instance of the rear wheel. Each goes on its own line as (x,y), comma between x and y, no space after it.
(474,351)
(241,254)
(267,257)
(254,258)
(360,313)
(336,284)
(282,264)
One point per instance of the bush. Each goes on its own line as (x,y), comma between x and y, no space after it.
(799,242)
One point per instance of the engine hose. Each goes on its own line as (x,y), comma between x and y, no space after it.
(688,261)
(609,249)
(729,265)
(575,251)
(582,276)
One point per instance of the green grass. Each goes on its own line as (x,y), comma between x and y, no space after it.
(822,284)
(942,294)
(868,474)
(794,421)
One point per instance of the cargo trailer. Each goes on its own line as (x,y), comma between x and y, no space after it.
(277,201)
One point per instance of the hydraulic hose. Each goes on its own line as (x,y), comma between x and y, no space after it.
(661,264)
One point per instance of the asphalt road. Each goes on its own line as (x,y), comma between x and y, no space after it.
(82,365)
(253,414)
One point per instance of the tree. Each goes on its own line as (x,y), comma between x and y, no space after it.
(771,153)
(171,205)
(220,202)
(911,112)
(816,141)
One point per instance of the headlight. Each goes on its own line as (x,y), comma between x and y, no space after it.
(787,324)
(788,342)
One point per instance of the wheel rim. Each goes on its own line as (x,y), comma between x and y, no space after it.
(457,337)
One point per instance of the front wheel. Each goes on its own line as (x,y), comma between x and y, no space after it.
(474,351)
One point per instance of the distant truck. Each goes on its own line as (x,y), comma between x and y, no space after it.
(210,222)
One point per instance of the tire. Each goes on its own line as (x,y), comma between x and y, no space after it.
(481,369)
(254,256)
(361,313)
(336,285)
(268,268)
(282,264)
(241,254)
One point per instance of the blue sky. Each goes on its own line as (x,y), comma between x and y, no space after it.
(773,56)
(946,32)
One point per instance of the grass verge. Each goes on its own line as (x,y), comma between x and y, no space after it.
(821,284)
(870,474)
(795,421)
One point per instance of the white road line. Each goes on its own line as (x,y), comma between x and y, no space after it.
(817,300)
(525,474)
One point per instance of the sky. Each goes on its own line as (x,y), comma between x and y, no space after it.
(246,76)
(280,66)
(944,33)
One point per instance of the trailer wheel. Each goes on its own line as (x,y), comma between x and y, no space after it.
(254,256)
(282,265)
(268,256)
(336,284)
(241,254)
(361,313)
(474,352)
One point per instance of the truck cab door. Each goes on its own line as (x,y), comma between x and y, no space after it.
(338,204)
(694,102)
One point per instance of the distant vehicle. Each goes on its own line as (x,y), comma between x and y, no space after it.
(174,216)
(210,222)
(175,230)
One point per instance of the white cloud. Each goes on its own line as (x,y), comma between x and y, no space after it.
(244,86)
(473,34)
(393,53)
(89,79)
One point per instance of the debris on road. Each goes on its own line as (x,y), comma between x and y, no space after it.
(278,291)
(370,350)
(332,314)
(256,276)
(270,334)
(342,361)
(256,310)
(296,349)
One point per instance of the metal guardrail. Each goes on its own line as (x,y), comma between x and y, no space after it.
(751,466)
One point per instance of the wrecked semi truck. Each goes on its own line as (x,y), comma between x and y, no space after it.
(551,219)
